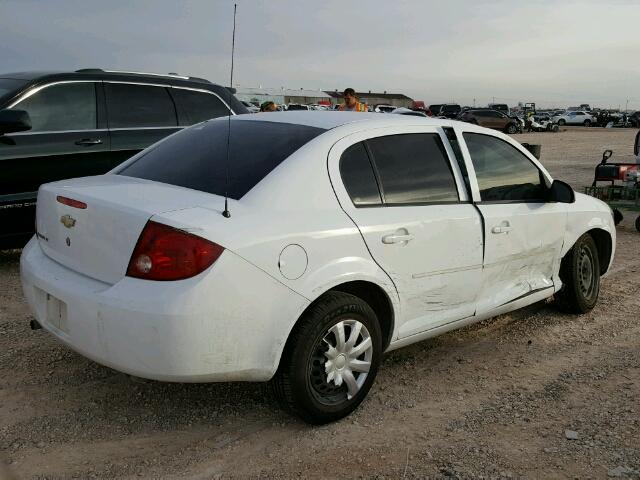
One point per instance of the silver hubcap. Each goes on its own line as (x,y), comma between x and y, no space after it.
(585,273)
(348,359)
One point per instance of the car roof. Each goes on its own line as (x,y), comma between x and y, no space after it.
(332,119)
(98,73)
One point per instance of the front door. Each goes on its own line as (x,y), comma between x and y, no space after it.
(65,141)
(524,232)
(418,225)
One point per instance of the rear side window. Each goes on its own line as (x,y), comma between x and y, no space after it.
(358,177)
(413,169)
(503,172)
(195,107)
(65,106)
(197,157)
(136,106)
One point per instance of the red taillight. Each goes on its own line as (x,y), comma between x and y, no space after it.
(71,202)
(166,253)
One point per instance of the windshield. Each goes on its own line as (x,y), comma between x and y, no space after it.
(197,157)
(7,85)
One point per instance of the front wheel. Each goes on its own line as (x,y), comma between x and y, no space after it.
(562,122)
(511,128)
(580,275)
(330,360)
(587,123)
(638,223)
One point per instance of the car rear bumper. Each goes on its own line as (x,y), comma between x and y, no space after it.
(229,323)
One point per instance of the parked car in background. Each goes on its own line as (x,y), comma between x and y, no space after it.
(500,107)
(450,110)
(368,232)
(74,124)
(380,108)
(297,106)
(574,118)
(408,111)
(490,119)
(250,106)
(435,109)
(634,118)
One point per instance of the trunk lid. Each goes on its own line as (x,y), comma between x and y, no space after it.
(97,241)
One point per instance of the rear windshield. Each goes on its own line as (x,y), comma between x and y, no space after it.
(8,85)
(197,157)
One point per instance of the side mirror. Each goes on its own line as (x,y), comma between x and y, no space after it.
(606,155)
(12,121)
(561,192)
(636,146)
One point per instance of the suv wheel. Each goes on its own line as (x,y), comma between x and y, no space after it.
(587,123)
(580,275)
(562,122)
(511,128)
(330,360)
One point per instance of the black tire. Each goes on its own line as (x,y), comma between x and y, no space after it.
(580,275)
(562,122)
(638,223)
(617,217)
(511,128)
(587,123)
(301,384)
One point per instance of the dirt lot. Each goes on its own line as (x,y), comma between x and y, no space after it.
(498,399)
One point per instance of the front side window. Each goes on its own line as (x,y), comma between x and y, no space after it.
(503,172)
(61,107)
(358,177)
(413,169)
(139,106)
(195,107)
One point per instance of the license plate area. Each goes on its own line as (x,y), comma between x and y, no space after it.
(56,313)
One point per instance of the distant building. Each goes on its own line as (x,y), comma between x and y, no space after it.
(282,96)
(374,98)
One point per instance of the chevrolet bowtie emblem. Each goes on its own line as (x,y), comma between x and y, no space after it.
(68,221)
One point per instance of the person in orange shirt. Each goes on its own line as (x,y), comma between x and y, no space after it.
(351,103)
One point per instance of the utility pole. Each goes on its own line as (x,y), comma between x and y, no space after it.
(494,99)
(474,103)
(626,107)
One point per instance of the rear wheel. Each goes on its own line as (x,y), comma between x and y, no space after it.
(511,128)
(638,223)
(330,360)
(580,275)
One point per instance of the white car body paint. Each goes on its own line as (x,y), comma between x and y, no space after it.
(231,321)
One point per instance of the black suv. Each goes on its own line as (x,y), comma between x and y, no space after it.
(74,124)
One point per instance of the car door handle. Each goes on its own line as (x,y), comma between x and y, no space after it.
(504,228)
(87,142)
(397,238)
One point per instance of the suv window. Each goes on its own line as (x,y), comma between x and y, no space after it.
(503,172)
(197,157)
(413,168)
(131,106)
(195,107)
(64,106)
(358,177)
(8,85)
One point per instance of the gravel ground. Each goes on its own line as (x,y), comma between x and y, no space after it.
(532,394)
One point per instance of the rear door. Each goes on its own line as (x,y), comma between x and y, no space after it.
(139,115)
(401,189)
(523,232)
(68,139)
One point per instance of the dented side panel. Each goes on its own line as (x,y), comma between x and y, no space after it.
(523,250)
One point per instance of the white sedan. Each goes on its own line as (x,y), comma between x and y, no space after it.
(574,118)
(347,235)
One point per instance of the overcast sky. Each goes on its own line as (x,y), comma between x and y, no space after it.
(549,52)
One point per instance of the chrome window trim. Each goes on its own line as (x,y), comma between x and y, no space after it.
(119,129)
(35,90)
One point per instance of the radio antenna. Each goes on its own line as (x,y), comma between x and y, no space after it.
(226,213)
